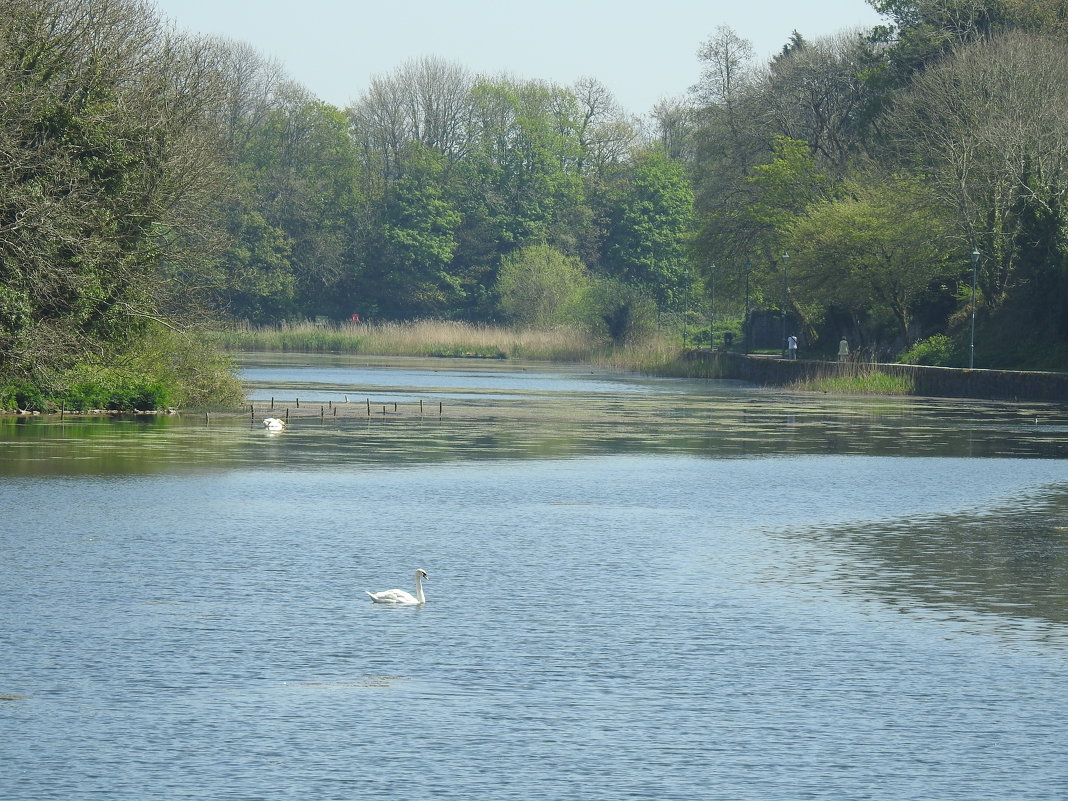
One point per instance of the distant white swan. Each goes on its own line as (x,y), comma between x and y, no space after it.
(274,424)
(400,596)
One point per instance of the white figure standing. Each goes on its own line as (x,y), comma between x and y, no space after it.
(843,350)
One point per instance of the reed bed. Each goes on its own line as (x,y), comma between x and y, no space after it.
(438,338)
(656,355)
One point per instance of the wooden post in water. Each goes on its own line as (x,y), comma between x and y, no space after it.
(298,403)
(335,411)
(272,404)
(420,407)
(394,406)
(252,412)
(439,408)
(287,415)
(368,407)
(322,413)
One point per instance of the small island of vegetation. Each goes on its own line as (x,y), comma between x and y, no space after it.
(166,197)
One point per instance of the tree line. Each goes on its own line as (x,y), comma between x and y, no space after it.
(151,178)
(902,185)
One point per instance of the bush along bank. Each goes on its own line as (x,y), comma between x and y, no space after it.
(160,371)
(87,396)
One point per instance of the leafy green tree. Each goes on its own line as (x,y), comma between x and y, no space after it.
(300,168)
(525,179)
(411,258)
(255,275)
(873,252)
(650,229)
(540,286)
(107,161)
(751,230)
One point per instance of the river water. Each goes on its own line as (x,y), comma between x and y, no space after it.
(639,589)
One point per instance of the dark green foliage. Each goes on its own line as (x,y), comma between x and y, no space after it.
(620,313)
(415,243)
(936,351)
(650,228)
(23,395)
(292,214)
(127,394)
(142,395)
(107,159)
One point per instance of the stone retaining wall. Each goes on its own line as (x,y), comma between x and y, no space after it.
(946,382)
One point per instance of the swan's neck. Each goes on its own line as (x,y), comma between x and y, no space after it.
(419,589)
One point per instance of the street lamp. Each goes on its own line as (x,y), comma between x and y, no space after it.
(975,270)
(712,318)
(785,298)
(748,327)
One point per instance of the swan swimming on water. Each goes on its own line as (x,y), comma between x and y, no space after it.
(400,596)
(273,424)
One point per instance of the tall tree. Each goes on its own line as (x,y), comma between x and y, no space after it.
(649,238)
(521,183)
(107,159)
(873,251)
(412,255)
(986,128)
(426,101)
(300,166)
(605,133)
(816,92)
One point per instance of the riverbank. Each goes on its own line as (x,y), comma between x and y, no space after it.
(939,382)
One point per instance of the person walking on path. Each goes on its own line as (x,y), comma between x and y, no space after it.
(843,350)
(791,346)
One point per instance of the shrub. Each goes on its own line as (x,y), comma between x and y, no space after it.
(936,351)
(139,395)
(23,395)
(84,395)
(158,370)
(618,313)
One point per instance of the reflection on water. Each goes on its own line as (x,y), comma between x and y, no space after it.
(676,590)
(1008,561)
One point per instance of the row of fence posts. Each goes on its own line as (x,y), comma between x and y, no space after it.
(330,404)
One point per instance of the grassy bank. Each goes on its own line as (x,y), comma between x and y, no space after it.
(855,378)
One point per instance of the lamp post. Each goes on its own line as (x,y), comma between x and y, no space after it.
(748,327)
(975,270)
(712,317)
(785,298)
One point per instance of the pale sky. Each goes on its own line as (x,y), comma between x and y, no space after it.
(642,52)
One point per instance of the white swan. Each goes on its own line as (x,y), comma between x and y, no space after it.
(400,596)
(274,424)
